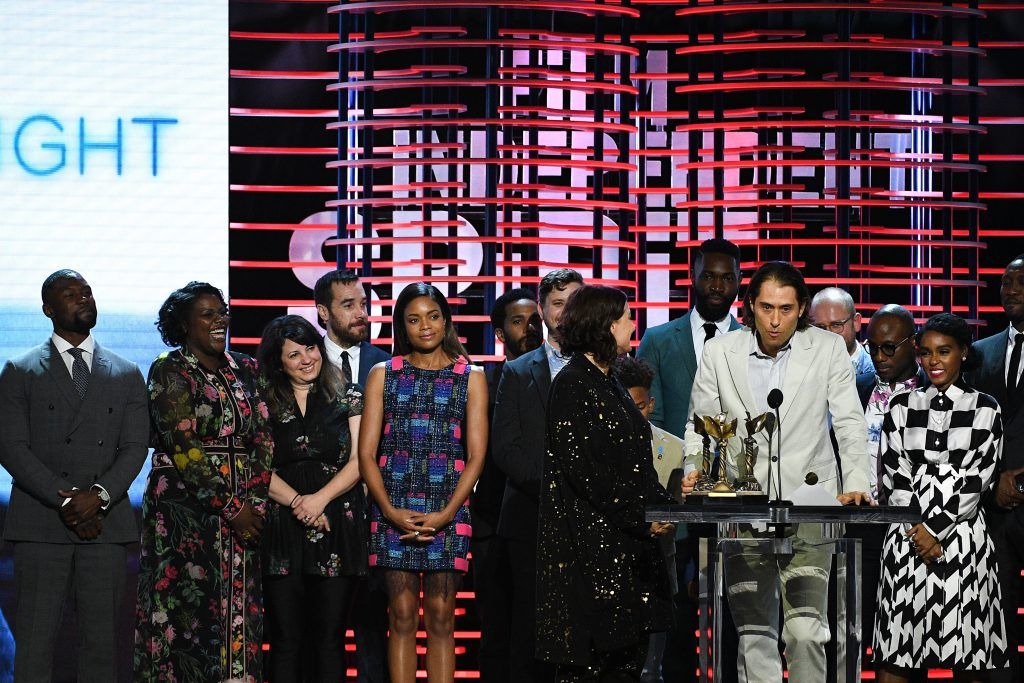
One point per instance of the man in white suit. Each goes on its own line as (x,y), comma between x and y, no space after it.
(778,349)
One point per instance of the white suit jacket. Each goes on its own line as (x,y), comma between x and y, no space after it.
(818,381)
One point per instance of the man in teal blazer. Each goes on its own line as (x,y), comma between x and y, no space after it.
(673,349)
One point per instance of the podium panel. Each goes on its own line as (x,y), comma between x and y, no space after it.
(746,550)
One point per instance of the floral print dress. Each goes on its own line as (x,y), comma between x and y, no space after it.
(308,451)
(199,607)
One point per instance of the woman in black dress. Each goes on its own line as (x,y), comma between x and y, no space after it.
(602,587)
(316,532)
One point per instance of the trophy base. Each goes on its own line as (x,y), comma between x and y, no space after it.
(721,494)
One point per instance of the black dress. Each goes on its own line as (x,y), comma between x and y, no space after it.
(601,584)
(308,451)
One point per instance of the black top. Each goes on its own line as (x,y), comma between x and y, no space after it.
(517,440)
(485,503)
(601,582)
(308,451)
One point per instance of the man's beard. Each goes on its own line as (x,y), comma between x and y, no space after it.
(709,311)
(346,335)
(529,342)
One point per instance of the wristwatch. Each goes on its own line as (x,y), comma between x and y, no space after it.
(102,493)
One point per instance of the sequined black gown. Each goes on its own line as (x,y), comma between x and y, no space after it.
(602,584)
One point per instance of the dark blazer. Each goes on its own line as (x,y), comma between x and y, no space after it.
(517,440)
(990,378)
(51,439)
(668,349)
(601,578)
(369,355)
(485,503)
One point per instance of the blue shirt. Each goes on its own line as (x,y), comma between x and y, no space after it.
(556,361)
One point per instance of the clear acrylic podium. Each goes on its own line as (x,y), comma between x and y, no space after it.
(732,516)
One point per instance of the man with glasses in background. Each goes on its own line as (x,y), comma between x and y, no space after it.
(832,309)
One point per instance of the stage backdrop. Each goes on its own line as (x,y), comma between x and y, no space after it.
(113,161)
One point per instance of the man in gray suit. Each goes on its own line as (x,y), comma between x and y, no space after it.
(673,349)
(73,436)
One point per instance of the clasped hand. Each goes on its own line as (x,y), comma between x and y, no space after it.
(418,526)
(81,513)
(309,510)
(925,545)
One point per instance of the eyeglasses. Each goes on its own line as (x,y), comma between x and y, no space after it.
(834,326)
(887,350)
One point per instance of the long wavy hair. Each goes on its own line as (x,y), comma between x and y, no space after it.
(402,345)
(278,388)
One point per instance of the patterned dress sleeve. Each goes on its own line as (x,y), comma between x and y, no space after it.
(257,486)
(897,470)
(354,398)
(172,410)
(950,492)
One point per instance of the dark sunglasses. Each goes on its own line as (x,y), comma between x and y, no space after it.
(887,350)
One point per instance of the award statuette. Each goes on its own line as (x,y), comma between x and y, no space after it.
(719,429)
(745,482)
(704,481)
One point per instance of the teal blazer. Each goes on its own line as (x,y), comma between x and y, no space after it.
(668,349)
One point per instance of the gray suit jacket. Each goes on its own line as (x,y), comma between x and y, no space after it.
(668,349)
(51,439)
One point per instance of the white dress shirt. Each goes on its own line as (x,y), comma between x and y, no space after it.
(62,345)
(765,373)
(334,356)
(697,330)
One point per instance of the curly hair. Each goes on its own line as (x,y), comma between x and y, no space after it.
(633,372)
(784,274)
(956,327)
(586,322)
(171,321)
(279,392)
(557,279)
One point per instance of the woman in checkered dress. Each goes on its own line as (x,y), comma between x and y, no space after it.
(939,603)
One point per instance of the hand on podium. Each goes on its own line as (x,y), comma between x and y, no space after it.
(689,481)
(855,498)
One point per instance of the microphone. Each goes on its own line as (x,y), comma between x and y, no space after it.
(775,398)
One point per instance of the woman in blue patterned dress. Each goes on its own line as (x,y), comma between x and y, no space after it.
(421,450)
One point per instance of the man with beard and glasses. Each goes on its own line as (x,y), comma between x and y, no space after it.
(1001,359)
(519,425)
(74,436)
(894,356)
(342,310)
(673,350)
(517,325)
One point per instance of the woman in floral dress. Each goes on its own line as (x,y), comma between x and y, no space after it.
(314,541)
(421,450)
(199,604)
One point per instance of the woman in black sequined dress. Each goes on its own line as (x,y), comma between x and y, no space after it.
(602,587)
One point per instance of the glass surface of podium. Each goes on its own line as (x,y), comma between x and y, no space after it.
(736,526)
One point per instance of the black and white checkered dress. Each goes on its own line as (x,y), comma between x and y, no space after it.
(939,451)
